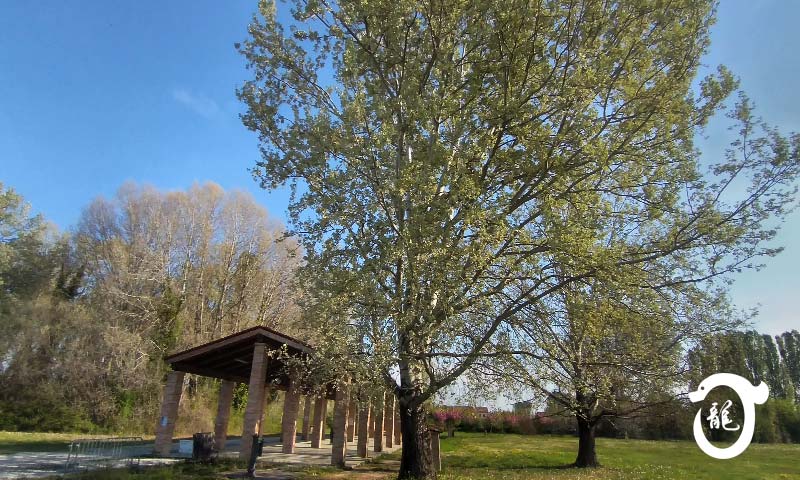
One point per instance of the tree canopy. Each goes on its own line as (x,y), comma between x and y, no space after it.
(455,163)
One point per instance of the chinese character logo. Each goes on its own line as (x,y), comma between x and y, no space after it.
(749,394)
(714,421)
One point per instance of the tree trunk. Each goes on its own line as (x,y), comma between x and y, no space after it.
(417,459)
(587,455)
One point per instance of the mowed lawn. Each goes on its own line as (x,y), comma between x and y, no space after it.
(511,457)
(471,456)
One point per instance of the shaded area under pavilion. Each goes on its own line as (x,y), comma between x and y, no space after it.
(247,357)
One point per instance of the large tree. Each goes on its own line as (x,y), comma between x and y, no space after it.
(432,147)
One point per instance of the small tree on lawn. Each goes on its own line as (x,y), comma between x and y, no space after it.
(614,344)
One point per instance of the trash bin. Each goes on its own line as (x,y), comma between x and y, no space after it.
(203,446)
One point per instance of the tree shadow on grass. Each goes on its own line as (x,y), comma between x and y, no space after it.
(511,467)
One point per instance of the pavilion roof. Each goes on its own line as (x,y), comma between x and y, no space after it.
(231,357)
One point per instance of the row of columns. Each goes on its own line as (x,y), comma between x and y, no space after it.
(351,420)
(379,419)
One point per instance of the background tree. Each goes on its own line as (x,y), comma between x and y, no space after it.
(92,315)
(789,348)
(42,332)
(758,358)
(603,348)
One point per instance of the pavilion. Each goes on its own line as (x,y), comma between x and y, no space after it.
(245,357)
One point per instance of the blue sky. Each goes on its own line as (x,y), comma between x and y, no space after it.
(93,94)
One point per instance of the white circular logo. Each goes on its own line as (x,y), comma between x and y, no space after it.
(749,394)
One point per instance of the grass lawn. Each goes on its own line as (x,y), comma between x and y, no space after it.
(511,457)
(13,442)
(516,457)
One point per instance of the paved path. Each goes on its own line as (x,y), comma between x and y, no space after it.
(305,455)
(43,464)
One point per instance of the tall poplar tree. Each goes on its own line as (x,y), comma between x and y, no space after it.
(446,159)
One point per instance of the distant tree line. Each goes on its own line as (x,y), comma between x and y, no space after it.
(86,317)
(755,356)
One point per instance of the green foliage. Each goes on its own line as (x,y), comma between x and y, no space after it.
(20,237)
(514,181)
(43,414)
(789,347)
(86,319)
(748,354)
(787,416)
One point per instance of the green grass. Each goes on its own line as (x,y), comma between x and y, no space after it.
(512,457)
(516,457)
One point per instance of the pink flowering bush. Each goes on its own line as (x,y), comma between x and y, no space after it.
(448,419)
(467,420)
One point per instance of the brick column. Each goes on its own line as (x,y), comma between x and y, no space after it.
(352,414)
(291,404)
(261,407)
(388,420)
(169,413)
(255,399)
(306,418)
(371,426)
(378,443)
(398,435)
(363,428)
(223,414)
(318,426)
(339,439)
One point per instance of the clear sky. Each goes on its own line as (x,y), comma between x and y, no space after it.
(96,93)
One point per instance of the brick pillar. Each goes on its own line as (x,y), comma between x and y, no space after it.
(306,418)
(351,420)
(262,406)
(363,428)
(291,404)
(318,426)
(371,426)
(388,420)
(255,399)
(378,443)
(223,414)
(169,413)
(398,435)
(339,439)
